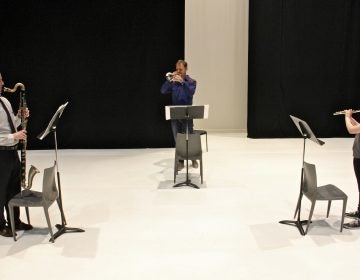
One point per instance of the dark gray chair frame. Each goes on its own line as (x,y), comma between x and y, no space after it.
(313,192)
(194,153)
(30,198)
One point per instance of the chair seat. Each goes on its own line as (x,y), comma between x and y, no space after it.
(330,192)
(314,192)
(27,199)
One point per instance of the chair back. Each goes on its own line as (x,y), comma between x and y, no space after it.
(310,181)
(195,150)
(50,192)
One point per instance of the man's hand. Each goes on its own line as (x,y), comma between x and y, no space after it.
(20,135)
(177,78)
(27,113)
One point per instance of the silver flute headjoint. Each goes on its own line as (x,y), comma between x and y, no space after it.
(343,112)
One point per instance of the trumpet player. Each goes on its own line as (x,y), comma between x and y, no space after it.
(353,127)
(182,88)
(9,163)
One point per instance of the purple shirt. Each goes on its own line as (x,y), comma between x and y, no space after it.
(181,93)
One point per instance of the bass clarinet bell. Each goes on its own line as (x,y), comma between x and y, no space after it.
(14,89)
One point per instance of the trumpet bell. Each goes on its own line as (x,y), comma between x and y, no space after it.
(169,76)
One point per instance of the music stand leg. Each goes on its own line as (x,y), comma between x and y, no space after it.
(187,183)
(297,223)
(63,229)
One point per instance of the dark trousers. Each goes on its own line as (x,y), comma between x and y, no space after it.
(356,163)
(9,183)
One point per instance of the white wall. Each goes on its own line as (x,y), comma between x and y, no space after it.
(216,48)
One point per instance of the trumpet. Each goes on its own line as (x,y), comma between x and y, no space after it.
(343,112)
(169,76)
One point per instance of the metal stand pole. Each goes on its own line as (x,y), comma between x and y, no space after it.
(298,223)
(188,181)
(61,228)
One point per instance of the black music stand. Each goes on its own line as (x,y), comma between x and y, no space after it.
(186,113)
(52,128)
(306,133)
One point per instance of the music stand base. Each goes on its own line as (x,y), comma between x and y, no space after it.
(186,183)
(296,223)
(63,229)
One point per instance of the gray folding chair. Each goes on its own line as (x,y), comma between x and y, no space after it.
(30,198)
(313,193)
(194,153)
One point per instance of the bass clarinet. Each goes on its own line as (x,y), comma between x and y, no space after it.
(24,120)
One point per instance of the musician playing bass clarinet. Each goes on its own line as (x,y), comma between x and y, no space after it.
(9,163)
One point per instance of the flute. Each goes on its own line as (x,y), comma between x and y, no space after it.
(343,112)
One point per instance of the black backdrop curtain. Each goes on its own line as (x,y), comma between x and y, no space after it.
(107,58)
(303,61)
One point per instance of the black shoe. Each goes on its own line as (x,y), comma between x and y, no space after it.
(353,225)
(6,232)
(355,215)
(23,226)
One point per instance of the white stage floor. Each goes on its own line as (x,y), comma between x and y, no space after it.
(138,227)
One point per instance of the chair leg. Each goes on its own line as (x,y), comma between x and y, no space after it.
(206,142)
(328,209)
(175,169)
(12,220)
(27,214)
(343,214)
(298,205)
(310,215)
(46,210)
(201,170)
